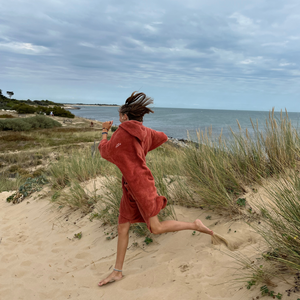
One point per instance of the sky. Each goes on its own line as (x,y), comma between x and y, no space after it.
(208,54)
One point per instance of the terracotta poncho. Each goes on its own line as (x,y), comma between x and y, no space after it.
(127,149)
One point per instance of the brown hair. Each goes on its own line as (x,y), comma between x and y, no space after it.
(135,106)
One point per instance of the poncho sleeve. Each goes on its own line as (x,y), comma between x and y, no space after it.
(105,150)
(158,138)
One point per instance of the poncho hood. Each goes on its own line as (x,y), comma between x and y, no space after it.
(136,129)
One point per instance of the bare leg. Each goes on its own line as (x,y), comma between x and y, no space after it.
(123,237)
(171,226)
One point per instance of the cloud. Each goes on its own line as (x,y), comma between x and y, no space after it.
(194,45)
(23,48)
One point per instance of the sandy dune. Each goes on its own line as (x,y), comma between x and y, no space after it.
(41,259)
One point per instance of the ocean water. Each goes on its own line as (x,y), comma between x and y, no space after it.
(176,122)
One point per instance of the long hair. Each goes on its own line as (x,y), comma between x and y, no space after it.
(135,106)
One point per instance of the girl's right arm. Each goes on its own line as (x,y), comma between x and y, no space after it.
(104,145)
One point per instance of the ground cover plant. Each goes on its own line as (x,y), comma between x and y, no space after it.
(30,186)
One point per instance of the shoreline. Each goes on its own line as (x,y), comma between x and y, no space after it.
(77,106)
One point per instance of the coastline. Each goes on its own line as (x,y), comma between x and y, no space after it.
(77,106)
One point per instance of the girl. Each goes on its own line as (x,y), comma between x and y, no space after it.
(127,149)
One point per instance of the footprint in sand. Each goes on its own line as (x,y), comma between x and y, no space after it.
(56,250)
(19,238)
(9,257)
(19,274)
(68,263)
(82,255)
(26,263)
(31,251)
(184,268)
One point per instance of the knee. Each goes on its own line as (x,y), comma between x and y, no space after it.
(156,229)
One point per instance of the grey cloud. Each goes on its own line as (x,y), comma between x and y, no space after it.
(151,43)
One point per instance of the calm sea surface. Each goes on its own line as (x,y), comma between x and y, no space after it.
(175,122)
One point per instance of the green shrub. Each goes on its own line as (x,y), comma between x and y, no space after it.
(57,111)
(6,116)
(15,125)
(24,108)
(27,124)
(61,112)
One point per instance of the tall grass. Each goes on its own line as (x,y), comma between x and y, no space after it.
(80,166)
(77,197)
(281,220)
(167,166)
(7,184)
(220,169)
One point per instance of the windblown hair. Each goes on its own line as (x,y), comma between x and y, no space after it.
(135,106)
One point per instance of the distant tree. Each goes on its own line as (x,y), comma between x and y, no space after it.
(10,94)
(0,92)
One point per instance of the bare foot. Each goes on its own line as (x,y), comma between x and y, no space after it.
(114,276)
(202,228)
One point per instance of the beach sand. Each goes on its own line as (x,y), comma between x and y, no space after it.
(41,259)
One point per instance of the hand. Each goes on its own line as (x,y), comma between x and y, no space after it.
(107,124)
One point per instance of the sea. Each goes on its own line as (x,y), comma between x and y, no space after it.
(183,123)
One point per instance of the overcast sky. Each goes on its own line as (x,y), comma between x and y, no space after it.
(218,54)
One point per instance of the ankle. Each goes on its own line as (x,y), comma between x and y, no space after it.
(117,270)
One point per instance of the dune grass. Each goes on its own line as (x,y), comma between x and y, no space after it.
(280,225)
(79,165)
(221,169)
(9,184)
(77,197)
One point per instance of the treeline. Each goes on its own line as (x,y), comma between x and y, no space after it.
(36,106)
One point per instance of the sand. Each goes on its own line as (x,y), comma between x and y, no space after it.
(41,259)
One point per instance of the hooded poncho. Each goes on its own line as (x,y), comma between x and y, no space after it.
(127,149)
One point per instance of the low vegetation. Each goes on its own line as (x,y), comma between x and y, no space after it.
(27,124)
(6,116)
